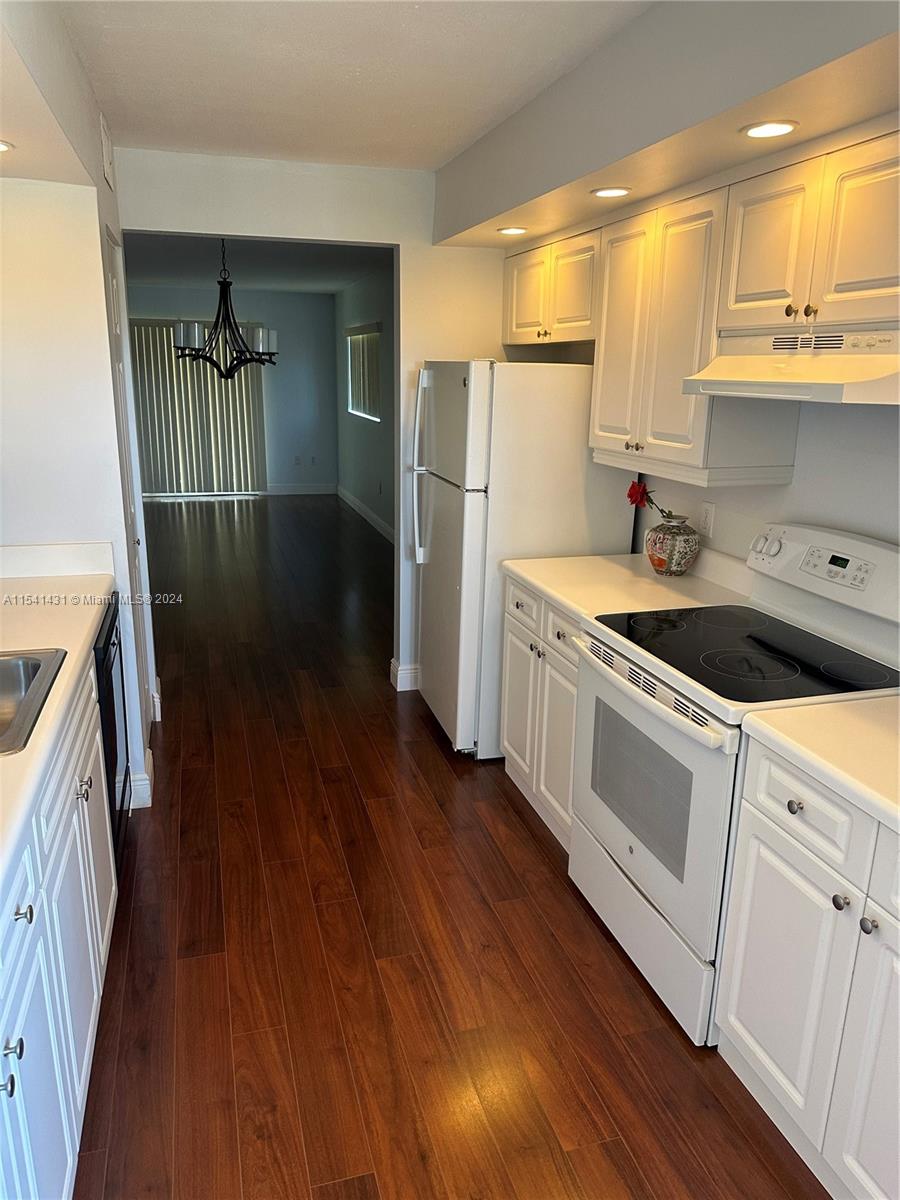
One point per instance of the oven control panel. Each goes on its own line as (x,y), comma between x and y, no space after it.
(853,570)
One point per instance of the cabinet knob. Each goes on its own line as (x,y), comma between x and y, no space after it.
(519,604)
(810,310)
(14,1048)
(794,806)
(9,1086)
(84,788)
(638,447)
(628,446)
(560,635)
(791,310)
(24,914)
(540,653)
(867,924)
(532,647)
(840,902)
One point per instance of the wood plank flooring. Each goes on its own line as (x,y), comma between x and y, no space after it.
(347,963)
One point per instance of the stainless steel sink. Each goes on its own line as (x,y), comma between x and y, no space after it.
(25,681)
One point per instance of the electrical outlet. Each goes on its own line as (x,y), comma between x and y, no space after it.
(707,518)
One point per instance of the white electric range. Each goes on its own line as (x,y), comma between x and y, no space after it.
(658,745)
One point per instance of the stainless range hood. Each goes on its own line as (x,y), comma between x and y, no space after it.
(824,367)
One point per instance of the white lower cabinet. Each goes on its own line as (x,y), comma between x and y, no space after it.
(861,1137)
(54,975)
(788,962)
(538,723)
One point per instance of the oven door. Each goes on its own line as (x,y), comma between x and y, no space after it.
(655,788)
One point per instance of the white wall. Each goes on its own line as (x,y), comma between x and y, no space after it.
(672,67)
(449,299)
(845,477)
(366,448)
(298,392)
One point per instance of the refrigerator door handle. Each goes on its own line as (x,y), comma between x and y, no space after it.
(423,382)
(417,543)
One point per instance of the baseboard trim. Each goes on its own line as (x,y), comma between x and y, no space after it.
(300,489)
(142,785)
(404,679)
(366,513)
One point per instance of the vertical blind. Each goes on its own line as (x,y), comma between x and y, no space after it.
(197,433)
(364,371)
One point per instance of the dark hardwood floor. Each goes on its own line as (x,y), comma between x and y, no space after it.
(347,963)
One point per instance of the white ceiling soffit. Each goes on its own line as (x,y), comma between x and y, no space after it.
(42,150)
(847,92)
(676,67)
(377,83)
(184,260)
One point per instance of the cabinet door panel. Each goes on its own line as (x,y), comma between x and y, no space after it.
(519,696)
(525,288)
(861,1138)
(98,838)
(572,288)
(556,734)
(623,306)
(787,967)
(769,241)
(682,326)
(70,915)
(857,265)
(37,1136)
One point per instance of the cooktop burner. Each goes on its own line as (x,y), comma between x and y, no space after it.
(746,655)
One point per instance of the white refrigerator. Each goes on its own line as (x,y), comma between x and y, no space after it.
(501,469)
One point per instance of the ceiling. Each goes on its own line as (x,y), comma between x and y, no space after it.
(189,261)
(374,83)
(848,91)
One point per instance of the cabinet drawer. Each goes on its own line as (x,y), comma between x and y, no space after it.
(57,789)
(19,890)
(884,886)
(820,819)
(525,606)
(559,630)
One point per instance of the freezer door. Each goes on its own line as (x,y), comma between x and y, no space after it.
(450,598)
(454,423)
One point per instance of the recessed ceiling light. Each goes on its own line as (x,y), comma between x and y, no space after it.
(6,146)
(610,193)
(767,129)
(512,230)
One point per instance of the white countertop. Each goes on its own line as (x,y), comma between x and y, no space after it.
(608,583)
(43,626)
(851,746)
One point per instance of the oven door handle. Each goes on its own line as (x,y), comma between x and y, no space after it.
(711,738)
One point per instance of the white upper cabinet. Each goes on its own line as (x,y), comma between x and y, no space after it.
(526,296)
(769,245)
(682,326)
(572,266)
(548,293)
(626,258)
(861,1136)
(856,274)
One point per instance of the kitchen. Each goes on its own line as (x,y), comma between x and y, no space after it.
(724,333)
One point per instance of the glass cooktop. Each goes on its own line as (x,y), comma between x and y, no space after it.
(743,654)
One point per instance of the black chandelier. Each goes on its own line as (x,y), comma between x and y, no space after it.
(225,335)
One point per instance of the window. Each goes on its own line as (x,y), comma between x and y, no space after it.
(364,371)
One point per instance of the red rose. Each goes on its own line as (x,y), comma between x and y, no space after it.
(637,494)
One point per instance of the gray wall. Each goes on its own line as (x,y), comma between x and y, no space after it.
(299,392)
(366,448)
(845,477)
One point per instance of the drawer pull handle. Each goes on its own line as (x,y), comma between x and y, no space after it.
(794,806)
(9,1087)
(868,924)
(560,635)
(25,914)
(14,1048)
(840,902)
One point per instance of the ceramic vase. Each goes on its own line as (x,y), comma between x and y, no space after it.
(672,546)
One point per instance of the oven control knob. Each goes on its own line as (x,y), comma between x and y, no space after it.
(759,544)
(774,547)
